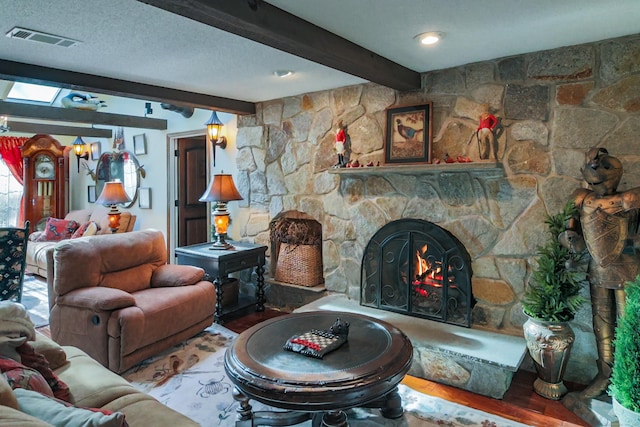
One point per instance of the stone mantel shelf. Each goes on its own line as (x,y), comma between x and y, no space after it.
(481,167)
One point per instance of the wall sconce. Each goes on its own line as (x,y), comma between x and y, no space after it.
(79,148)
(214,126)
(112,194)
(221,190)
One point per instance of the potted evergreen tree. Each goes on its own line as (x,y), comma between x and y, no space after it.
(625,376)
(550,302)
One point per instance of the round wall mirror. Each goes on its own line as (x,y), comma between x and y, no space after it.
(121,165)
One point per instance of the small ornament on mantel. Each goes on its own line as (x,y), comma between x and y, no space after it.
(487,133)
(340,145)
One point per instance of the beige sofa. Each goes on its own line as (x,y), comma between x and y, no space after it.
(91,386)
(39,253)
(116,297)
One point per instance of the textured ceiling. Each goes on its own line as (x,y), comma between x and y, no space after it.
(129,40)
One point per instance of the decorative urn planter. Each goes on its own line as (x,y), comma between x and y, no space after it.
(626,417)
(549,344)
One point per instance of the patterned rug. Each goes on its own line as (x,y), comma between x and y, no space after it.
(35,299)
(190,379)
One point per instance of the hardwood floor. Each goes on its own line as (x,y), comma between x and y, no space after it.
(520,403)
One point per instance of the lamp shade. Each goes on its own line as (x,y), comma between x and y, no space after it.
(112,194)
(221,189)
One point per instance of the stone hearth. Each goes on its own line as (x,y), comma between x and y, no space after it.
(479,361)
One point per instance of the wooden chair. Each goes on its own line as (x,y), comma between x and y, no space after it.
(13,256)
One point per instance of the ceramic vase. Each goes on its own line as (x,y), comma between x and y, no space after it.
(549,344)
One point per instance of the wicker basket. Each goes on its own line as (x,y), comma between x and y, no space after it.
(300,264)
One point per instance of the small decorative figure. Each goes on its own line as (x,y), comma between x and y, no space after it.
(448,159)
(82,101)
(341,144)
(485,133)
(609,223)
(340,328)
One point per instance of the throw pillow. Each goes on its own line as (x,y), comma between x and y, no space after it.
(87,229)
(19,376)
(34,360)
(58,413)
(50,349)
(58,229)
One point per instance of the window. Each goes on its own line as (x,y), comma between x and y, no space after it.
(10,195)
(32,92)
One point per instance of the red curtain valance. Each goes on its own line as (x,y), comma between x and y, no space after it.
(12,157)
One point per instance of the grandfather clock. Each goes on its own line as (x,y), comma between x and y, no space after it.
(46,173)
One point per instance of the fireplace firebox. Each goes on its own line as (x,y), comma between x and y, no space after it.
(418,268)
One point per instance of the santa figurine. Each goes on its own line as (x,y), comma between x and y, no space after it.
(340,145)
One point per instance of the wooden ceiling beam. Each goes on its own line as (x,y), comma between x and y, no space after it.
(271,26)
(36,128)
(27,73)
(58,114)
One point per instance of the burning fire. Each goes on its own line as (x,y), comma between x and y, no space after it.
(427,274)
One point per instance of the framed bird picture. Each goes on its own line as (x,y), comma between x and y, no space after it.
(408,134)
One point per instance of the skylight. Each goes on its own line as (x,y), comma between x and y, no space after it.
(33,93)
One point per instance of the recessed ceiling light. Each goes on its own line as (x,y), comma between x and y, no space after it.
(283,73)
(430,38)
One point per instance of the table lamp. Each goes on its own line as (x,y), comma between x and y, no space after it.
(221,190)
(112,194)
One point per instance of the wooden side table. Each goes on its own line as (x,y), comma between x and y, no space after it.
(219,263)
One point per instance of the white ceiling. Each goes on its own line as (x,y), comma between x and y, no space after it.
(129,40)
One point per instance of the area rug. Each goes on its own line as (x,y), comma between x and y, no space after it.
(35,299)
(190,379)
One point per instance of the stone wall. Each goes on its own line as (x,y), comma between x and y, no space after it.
(554,105)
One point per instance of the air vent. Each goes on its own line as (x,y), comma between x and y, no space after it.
(37,36)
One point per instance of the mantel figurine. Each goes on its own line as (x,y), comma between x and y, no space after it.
(340,145)
(486,133)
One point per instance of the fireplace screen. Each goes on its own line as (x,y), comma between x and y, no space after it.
(417,268)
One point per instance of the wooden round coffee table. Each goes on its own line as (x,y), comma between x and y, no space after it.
(363,372)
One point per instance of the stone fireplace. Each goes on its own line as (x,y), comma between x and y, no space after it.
(414,267)
(554,106)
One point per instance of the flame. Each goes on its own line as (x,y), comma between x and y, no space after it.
(421,264)
(427,273)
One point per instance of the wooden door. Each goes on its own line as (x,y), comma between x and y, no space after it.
(192,182)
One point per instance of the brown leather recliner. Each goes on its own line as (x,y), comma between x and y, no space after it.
(116,298)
